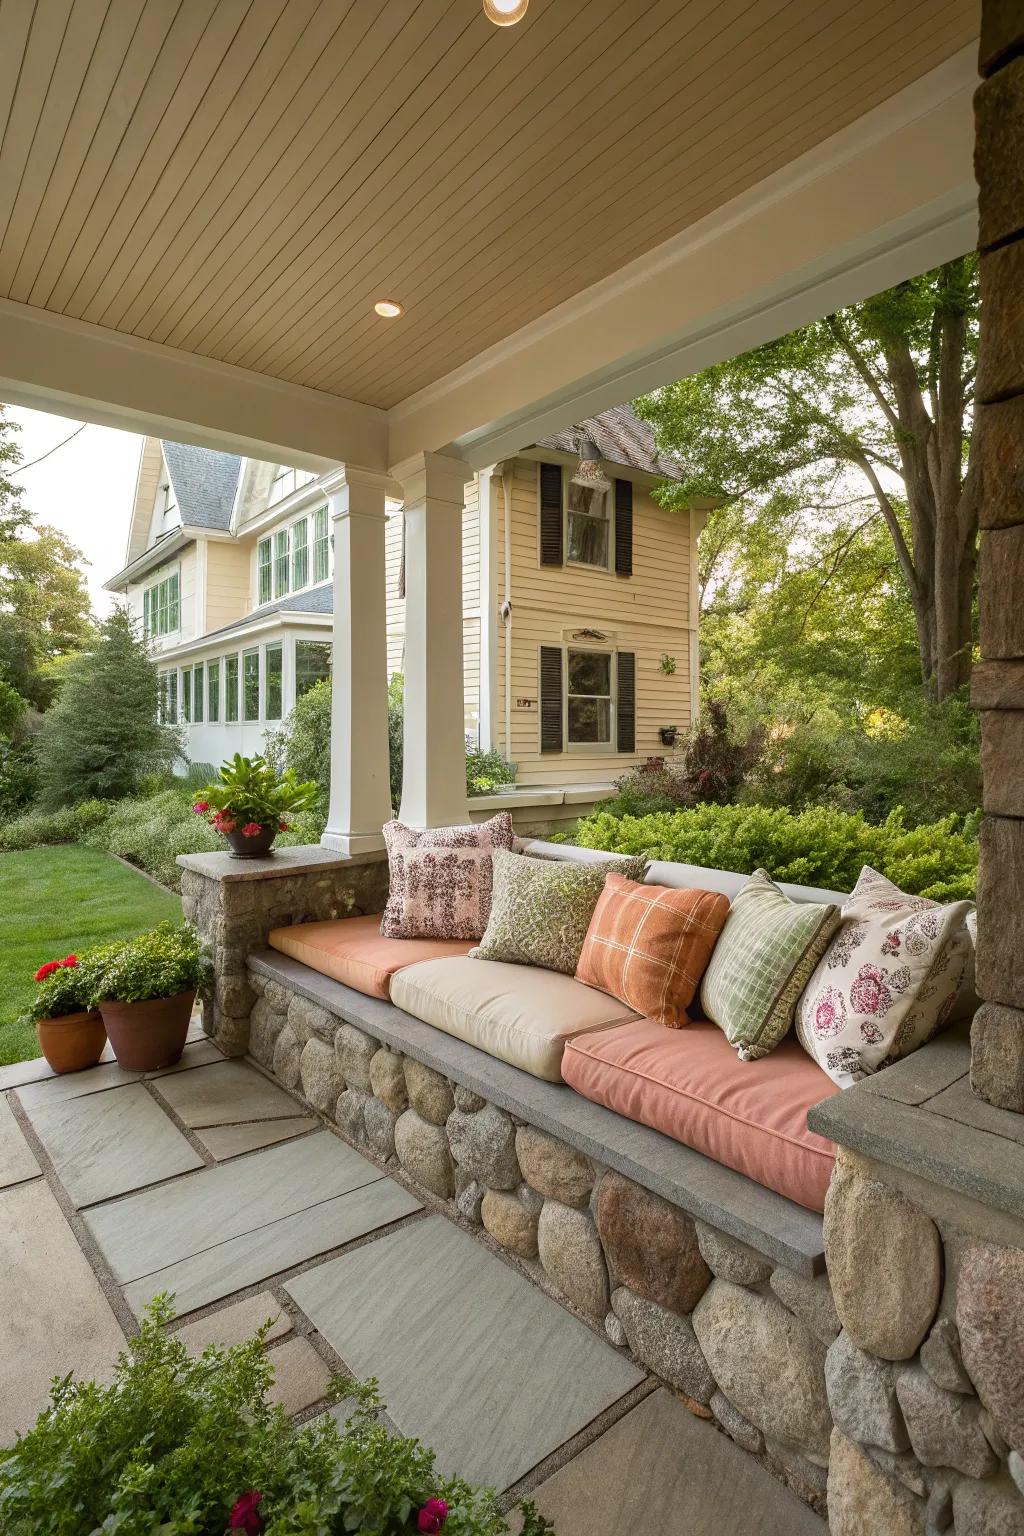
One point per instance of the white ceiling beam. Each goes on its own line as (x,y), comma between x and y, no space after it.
(53,363)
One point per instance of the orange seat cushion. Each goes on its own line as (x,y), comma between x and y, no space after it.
(649,946)
(690,1084)
(352,950)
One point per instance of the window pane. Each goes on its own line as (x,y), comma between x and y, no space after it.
(172,602)
(197,692)
(172,698)
(300,555)
(231,688)
(213,691)
(588,540)
(263,581)
(320,545)
(250,685)
(590,719)
(281,563)
(590,672)
(186,694)
(161,621)
(274,664)
(312,664)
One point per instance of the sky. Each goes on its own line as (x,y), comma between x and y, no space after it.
(86,489)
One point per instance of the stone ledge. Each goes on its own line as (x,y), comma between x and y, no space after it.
(303,860)
(767,1222)
(921,1116)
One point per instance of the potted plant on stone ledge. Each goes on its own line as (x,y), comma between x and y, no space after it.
(250,803)
(69,1028)
(146,988)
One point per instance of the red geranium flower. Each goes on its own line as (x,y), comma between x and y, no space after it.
(225,824)
(201,807)
(251,829)
(432,1516)
(282,826)
(69,962)
(245,1515)
(47,970)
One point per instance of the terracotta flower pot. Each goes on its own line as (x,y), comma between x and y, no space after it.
(148,1035)
(74,1042)
(257,847)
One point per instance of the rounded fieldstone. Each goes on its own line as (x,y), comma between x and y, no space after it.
(469,1198)
(651,1245)
(321,1080)
(509,1223)
(862,1396)
(430,1094)
(350,1114)
(767,1363)
(380,1127)
(484,1143)
(810,1299)
(885,1263)
(424,1154)
(257,982)
(287,1054)
(265,1025)
(1016,1469)
(570,1251)
(615,1331)
(354,1051)
(729,1259)
(533,1202)
(862,1501)
(665,1343)
(387,1080)
(943,1426)
(992,1508)
(739,1428)
(553,1169)
(990,1316)
(466,1100)
(941,1357)
(309,1019)
(277,996)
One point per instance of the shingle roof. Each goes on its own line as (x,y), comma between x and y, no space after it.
(315,600)
(622,439)
(204,484)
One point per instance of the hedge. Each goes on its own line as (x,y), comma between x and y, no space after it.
(819,846)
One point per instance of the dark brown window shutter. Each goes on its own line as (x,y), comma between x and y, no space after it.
(551,514)
(551,698)
(623,527)
(625,702)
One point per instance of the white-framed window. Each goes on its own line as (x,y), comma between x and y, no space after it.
(588,525)
(264,575)
(250,685)
(186,694)
(167,697)
(321,545)
(281,562)
(161,606)
(213,692)
(286,481)
(198,693)
(273,671)
(300,554)
(283,557)
(312,664)
(589,698)
(231,689)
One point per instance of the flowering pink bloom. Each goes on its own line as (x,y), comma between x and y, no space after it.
(432,1516)
(251,829)
(225,824)
(245,1515)
(201,807)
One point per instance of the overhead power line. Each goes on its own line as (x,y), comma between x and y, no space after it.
(20,468)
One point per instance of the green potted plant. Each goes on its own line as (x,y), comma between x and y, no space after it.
(145,988)
(249,804)
(69,1028)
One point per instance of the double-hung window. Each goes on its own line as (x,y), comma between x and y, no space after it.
(197,693)
(186,693)
(213,691)
(264,584)
(161,607)
(250,685)
(589,698)
(321,545)
(231,689)
(300,554)
(588,521)
(281,563)
(274,675)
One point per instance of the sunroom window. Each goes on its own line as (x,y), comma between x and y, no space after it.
(589,698)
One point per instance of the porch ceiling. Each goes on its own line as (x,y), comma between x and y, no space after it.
(241,179)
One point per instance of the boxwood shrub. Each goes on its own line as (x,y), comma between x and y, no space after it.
(819,846)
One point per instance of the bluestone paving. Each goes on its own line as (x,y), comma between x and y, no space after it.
(50,1089)
(300,1376)
(471,1357)
(236,1323)
(224,1141)
(105,1144)
(227,1093)
(17,1160)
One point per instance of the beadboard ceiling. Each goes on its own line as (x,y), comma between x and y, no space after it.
(241,179)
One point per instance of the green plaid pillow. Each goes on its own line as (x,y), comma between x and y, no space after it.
(762,963)
(541,908)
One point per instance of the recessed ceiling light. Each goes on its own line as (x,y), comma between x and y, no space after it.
(389,308)
(505,13)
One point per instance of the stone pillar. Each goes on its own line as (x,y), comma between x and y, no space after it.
(434,780)
(997,1068)
(360,800)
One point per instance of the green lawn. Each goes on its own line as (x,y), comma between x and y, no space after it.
(55,901)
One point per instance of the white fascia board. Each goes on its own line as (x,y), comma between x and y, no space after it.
(156,555)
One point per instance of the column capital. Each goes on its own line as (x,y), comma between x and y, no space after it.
(356,492)
(440,476)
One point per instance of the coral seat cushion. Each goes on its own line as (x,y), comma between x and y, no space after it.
(690,1084)
(353,951)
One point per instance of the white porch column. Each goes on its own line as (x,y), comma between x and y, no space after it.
(360,800)
(488,484)
(434,737)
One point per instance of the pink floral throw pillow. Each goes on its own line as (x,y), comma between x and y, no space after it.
(429,914)
(888,981)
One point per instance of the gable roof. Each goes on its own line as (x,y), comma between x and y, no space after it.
(622,438)
(204,484)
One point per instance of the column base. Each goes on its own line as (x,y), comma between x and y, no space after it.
(351,843)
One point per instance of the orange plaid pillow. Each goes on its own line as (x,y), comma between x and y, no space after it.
(649,945)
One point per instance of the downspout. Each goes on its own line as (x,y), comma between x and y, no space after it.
(506,607)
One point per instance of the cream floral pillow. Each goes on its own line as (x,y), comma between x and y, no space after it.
(418,906)
(888,981)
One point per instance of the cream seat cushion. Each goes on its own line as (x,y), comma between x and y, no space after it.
(517,1013)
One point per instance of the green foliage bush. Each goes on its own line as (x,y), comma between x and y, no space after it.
(151,832)
(820,846)
(174,1442)
(38,828)
(161,963)
(487,772)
